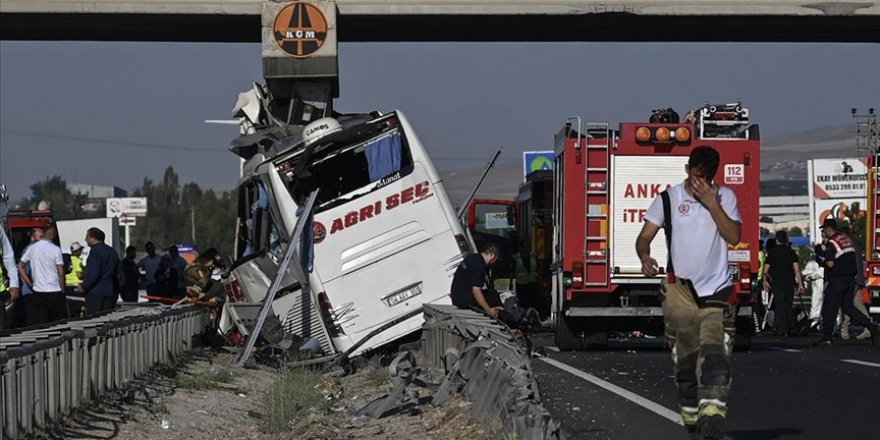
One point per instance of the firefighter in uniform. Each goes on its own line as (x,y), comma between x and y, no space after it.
(697,310)
(200,286)
(841,266)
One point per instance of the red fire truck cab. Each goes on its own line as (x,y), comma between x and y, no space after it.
(872,236)
(605,180)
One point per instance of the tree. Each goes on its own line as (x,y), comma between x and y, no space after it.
(53,190)
(795,231)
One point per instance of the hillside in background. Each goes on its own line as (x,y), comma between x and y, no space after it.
(782,158)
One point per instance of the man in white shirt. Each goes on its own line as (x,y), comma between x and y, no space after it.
(700,220)
(47,303)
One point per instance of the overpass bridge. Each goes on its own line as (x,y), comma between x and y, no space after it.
(454,20)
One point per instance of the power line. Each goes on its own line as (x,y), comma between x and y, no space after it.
(196,149)
(115,142)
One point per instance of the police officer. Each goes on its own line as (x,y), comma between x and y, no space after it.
(698,318)
(841,265)
(73,280)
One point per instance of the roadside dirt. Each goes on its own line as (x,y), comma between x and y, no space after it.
(206,397)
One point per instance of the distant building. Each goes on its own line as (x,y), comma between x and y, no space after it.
(95,194)
(787,203)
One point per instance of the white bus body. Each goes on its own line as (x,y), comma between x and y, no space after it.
(386,235)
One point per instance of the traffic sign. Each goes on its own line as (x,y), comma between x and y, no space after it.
(127,221)
(127,207)
(537,161)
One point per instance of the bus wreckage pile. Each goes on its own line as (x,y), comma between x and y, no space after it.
(345,236)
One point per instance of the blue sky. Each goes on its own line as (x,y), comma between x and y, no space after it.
(113,113)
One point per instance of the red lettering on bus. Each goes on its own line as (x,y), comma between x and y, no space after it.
(393,201)
(422,189)
(351,219)
(366,212)
(336,226)
(407,195)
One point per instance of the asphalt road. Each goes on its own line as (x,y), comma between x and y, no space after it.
(783,389)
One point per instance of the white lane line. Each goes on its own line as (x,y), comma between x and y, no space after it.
(856,361)
(789,350)
(654,407)
(552,348)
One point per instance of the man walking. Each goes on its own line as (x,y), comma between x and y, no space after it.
(841,265)
(860,282)
(698,318)
(782,274)
(46,303)
(99,285)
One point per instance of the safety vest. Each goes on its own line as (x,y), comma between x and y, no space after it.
(76,266)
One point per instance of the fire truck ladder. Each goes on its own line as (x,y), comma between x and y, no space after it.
(596,187)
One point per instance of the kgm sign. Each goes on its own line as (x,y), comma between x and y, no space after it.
(300,29)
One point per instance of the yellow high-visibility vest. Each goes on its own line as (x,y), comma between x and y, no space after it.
(76,266)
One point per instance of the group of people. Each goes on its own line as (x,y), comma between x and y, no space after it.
(38,286)
(836,280)
(699,306)
(47,285)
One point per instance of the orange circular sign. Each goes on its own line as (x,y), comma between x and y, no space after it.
(300,29)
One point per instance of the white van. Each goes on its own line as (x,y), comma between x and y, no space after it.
(386,237)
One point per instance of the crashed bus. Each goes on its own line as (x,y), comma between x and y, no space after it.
(385,237)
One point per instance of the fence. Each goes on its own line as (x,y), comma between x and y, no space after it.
(47,372)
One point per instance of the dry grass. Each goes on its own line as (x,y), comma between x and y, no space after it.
(293,397)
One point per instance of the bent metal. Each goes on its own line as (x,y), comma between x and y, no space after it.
(414,194)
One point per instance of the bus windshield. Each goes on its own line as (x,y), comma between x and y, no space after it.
(343,172)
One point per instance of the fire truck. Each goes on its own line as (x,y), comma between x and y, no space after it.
(604,181)
(872,236)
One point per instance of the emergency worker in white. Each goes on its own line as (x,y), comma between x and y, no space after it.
(700,323)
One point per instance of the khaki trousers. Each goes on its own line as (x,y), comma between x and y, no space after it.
(701,332)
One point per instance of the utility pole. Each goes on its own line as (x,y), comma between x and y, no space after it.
(192,221)
(867,132)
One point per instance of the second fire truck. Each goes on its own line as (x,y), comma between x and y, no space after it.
(604,181)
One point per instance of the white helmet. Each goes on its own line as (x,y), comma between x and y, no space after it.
(320,128)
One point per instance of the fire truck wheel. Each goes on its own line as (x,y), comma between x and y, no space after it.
(742,342)
(565,338)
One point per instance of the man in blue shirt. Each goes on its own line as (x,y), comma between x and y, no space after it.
(149,264)
(99,283)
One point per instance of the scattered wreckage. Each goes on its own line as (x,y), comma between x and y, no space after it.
(344,228)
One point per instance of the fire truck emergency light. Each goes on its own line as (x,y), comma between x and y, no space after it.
(663,134)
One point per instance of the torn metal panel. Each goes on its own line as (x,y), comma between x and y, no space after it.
(489,366)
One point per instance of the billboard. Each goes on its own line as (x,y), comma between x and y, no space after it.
(127,207)
(845,211)
(537,160)
(837,178)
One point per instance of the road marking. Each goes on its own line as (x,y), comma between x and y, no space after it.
(789,350)
(552,348)
(855,361)
(654,407)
